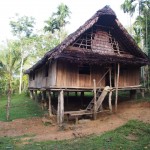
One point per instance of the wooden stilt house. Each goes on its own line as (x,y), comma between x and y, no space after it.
(100,57)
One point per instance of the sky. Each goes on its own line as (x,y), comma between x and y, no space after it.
(41,10)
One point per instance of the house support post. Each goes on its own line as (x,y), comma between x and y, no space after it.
(42,93)
(35,95)
(94,110)
(43,102)
(117,82)
(133,94)
(110,100)
(49,104)
(31,94)
(143,93)
(60,108)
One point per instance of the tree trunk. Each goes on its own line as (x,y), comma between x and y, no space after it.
(21,67)
(8,100)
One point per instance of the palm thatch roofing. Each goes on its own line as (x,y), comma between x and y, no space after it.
(104,17)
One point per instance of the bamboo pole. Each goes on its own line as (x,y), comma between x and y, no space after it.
(117,82)
(94,111)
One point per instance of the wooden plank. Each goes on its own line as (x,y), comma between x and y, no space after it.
(102,96)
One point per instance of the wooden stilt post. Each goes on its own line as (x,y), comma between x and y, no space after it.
(49,105)
(43,102)
(117,82)
(42,93)
(94,111)
(110,100)
(35,95)
(143,93)
(60,109)
(110,93)
(31,94)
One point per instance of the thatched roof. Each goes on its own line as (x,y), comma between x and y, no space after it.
(108,18)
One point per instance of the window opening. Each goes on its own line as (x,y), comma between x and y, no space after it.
(85,69)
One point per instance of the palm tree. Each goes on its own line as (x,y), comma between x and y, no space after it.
(9,65)
(142,23)
(129,8)
(58,20)
(62,14)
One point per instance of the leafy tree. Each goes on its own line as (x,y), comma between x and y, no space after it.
(22,27)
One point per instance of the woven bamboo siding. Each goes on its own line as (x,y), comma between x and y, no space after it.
(129,77)
(101,43)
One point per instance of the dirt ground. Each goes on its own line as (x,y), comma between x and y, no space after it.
(37,131)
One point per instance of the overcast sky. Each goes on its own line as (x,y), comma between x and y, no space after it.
(42,9)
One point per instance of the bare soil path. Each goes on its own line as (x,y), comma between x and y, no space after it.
(37,131)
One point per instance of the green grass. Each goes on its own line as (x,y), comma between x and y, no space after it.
(21,107)
(134,135)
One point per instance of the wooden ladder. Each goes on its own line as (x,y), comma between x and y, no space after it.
(100,96)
